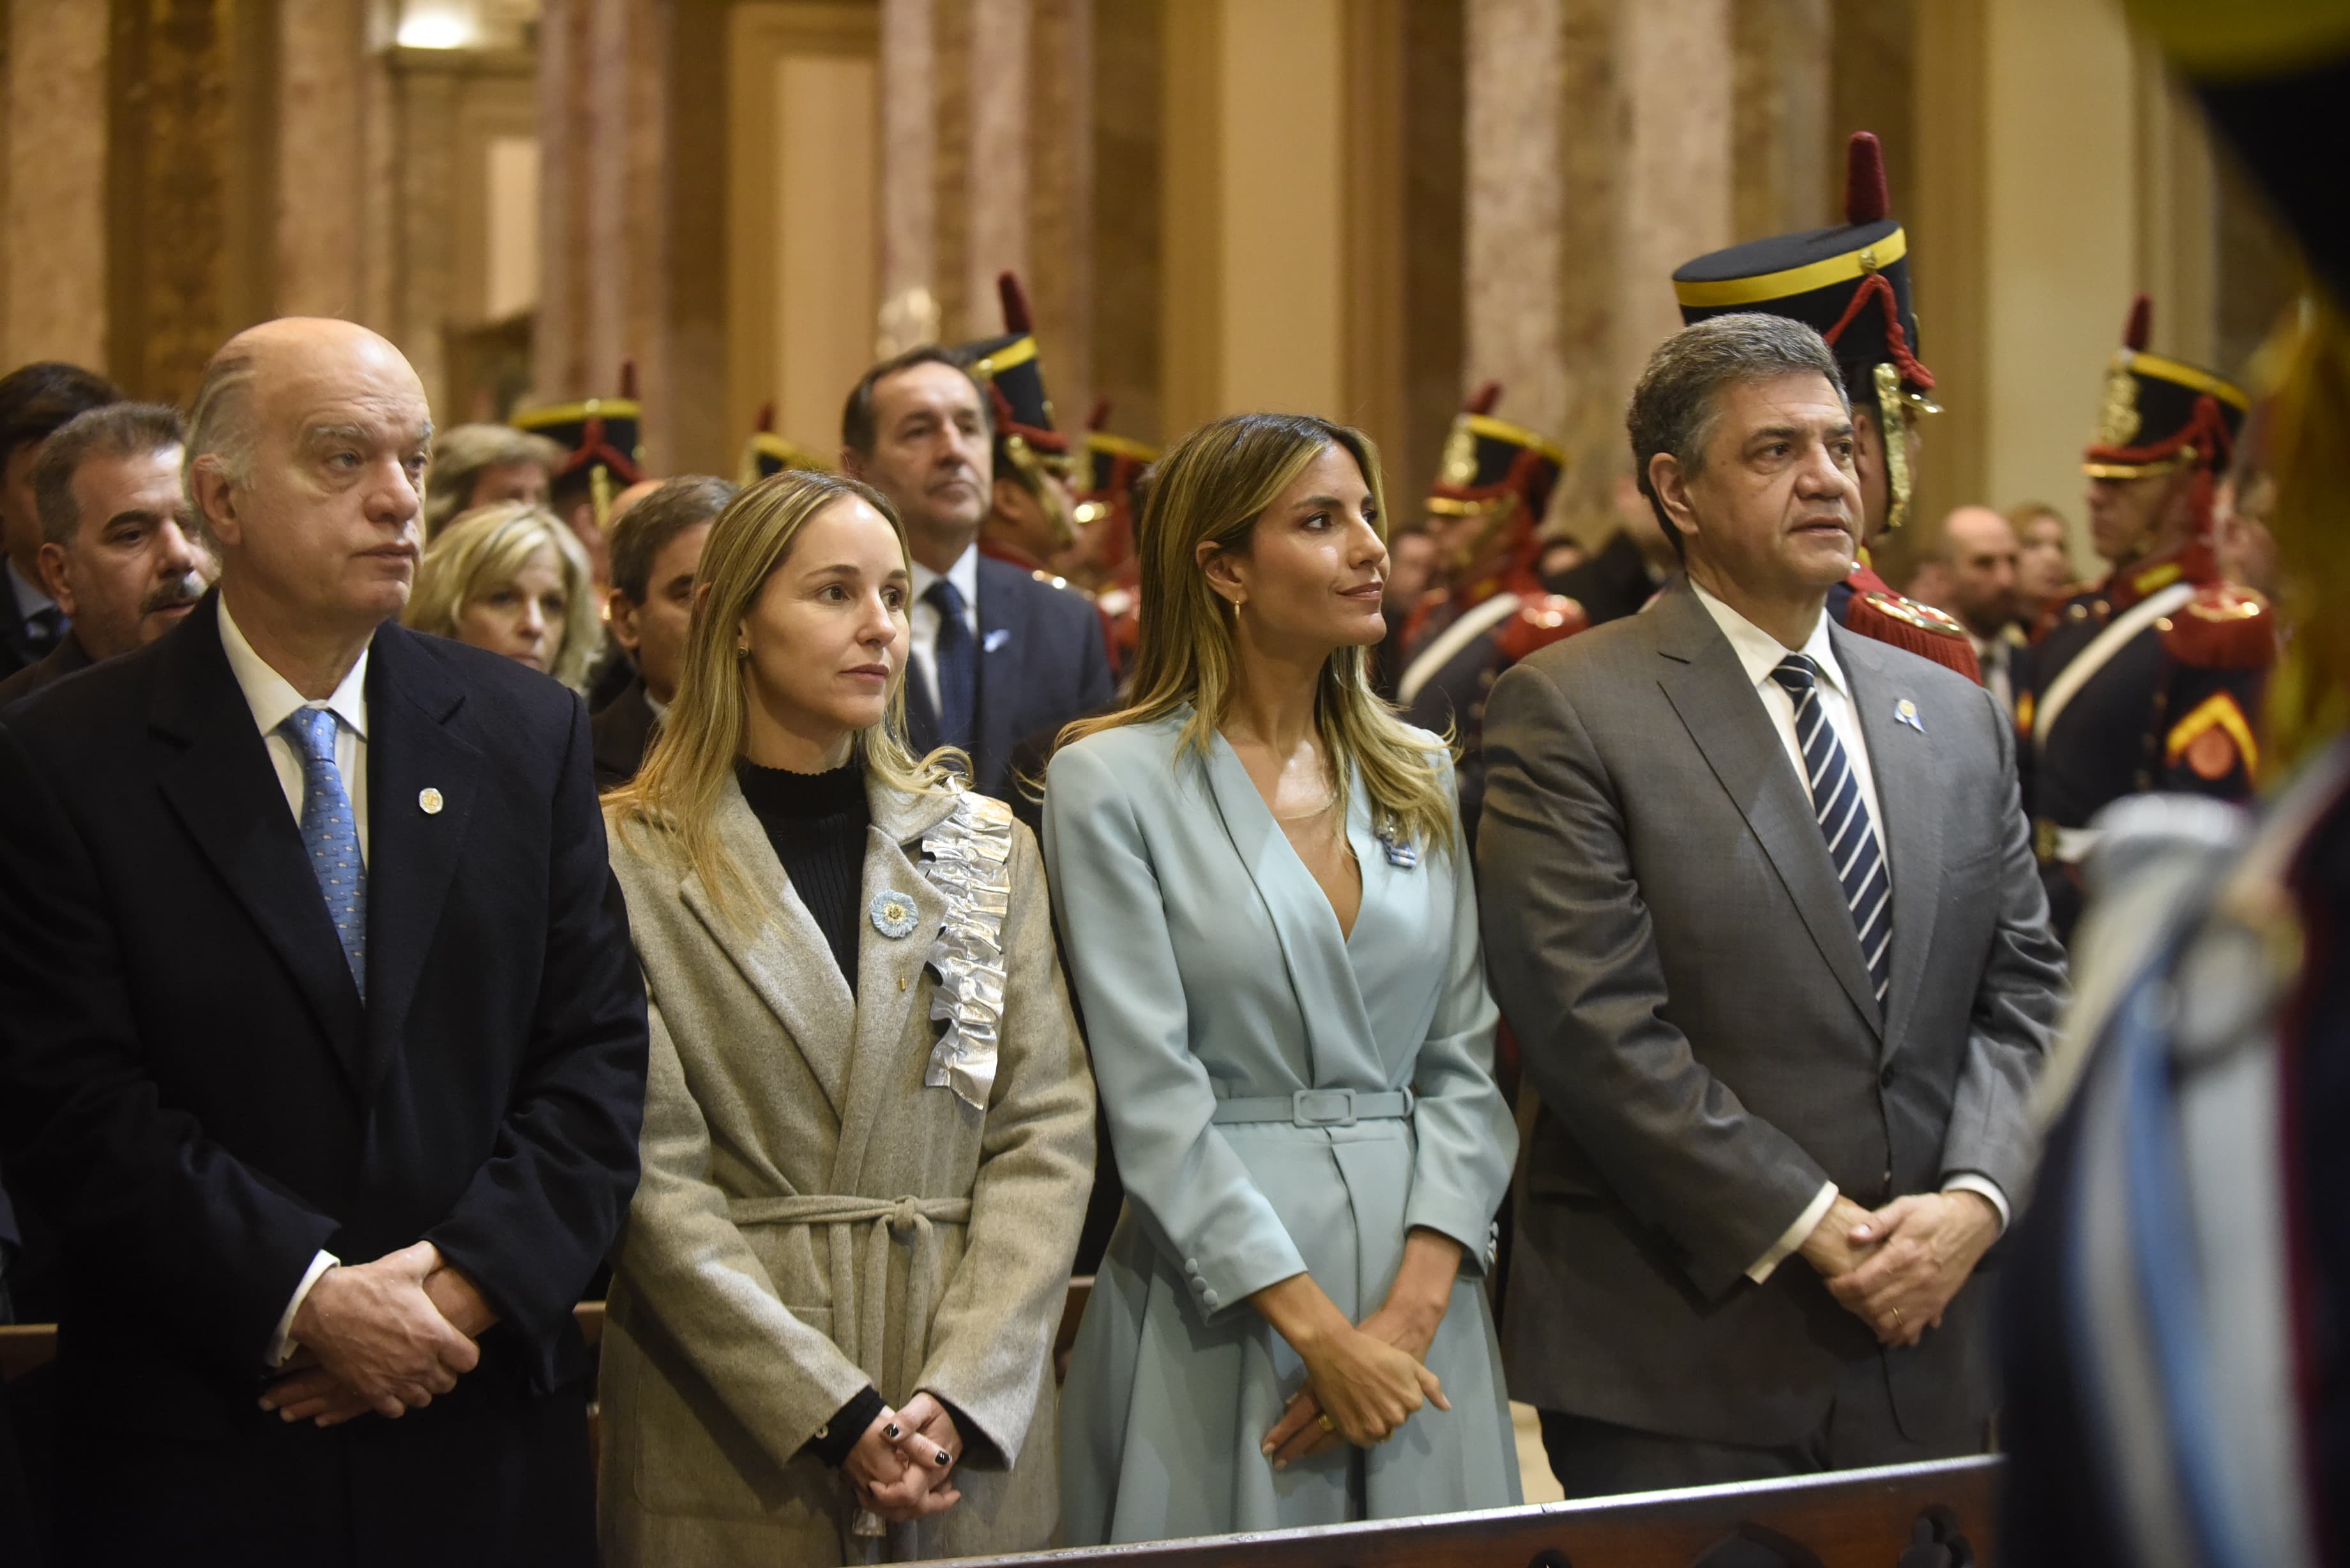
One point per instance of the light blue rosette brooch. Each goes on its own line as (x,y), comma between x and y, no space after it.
(893,913)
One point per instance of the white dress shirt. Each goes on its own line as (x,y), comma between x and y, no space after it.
(922,617)
(272,700)
(1760,653)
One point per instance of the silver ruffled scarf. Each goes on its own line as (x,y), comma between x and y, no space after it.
(968,857)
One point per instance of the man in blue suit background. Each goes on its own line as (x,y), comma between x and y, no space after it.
(998,657)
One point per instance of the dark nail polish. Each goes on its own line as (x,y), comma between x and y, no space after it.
(891,1430)
(945,1458)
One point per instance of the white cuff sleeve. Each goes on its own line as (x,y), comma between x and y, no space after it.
(1967,1181)
(1806,1223)
(281,1343)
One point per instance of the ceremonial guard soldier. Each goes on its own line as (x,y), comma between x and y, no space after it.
(1851,284)
(1116,468)
(1493,611)
(2178,1368)
(1031,520)
(767,453)
(602,441)
(2152,678)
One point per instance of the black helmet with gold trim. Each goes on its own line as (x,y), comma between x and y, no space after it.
(1013,377)
(767,453)
(1116,467)
(2161,414)
(1490,464)
(602,441)
(1850,283)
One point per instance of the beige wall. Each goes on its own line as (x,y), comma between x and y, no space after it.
(2059,172)
(803,233)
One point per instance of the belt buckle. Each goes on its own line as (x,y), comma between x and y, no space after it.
(1305,1108)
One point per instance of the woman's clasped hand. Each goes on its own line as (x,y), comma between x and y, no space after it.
(902,1468)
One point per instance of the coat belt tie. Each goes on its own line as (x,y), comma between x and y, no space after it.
(860,1308)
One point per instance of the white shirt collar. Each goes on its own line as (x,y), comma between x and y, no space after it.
(964,574)
(1759,652)
(272,697)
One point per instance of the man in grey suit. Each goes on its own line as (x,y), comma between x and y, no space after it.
(1759,905)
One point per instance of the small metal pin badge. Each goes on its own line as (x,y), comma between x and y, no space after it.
(893,914)
(431,801)
(1905,711)
(1403,854)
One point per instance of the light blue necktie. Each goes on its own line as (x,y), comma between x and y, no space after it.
(1843,819)
(330,832)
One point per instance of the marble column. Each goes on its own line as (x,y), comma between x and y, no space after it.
(996,232)
(325,245)
(909,302)
(1060,268)
(56,299)
(1780,105)
(1676,163)
(605,293)
(1515,64)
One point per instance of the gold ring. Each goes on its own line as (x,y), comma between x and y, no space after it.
(1328,1424)
(1896,1317)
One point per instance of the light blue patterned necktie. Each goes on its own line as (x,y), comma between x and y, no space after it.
(330,832)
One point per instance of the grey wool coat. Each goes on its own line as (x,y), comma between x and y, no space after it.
(815,1217)
(1213,973)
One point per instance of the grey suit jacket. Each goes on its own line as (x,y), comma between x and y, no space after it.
(1667,939)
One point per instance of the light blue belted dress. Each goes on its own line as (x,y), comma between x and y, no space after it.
(1281,1098)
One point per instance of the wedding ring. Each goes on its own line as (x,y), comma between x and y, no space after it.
(1896,1317)
(1328,1424)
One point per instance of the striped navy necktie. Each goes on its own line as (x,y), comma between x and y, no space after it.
(1853,849)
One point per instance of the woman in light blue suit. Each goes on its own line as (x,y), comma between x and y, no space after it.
(1268,915)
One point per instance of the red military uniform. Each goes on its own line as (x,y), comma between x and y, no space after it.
(2152,680)
(1497,481)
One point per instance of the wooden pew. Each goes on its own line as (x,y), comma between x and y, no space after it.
(1859,1518)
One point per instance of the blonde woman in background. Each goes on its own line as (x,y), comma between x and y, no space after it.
(513,580)
(1266,901)
(868,1125)
(485,466)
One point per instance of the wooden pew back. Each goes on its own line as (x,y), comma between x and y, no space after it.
(1858,1519)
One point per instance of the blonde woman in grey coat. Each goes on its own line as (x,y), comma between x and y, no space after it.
(869,1123)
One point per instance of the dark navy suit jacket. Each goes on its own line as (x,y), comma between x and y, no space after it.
(196,1098)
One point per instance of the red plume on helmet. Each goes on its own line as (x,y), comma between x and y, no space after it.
(2139,327)
(1017,317)
(1866,200)
(1483,400)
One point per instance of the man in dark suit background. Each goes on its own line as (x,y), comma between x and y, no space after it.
(998,657)
(35,400)
(119,552)
(1760,907)
(326,1049)
(656,548)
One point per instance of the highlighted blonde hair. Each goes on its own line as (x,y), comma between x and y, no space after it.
(484,551)
(670,807)
(1213,488)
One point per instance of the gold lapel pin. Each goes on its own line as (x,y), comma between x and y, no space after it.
(429,799)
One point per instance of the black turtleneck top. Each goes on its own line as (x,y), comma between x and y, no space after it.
(816,823)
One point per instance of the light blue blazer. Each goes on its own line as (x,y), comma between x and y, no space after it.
(1211,969)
